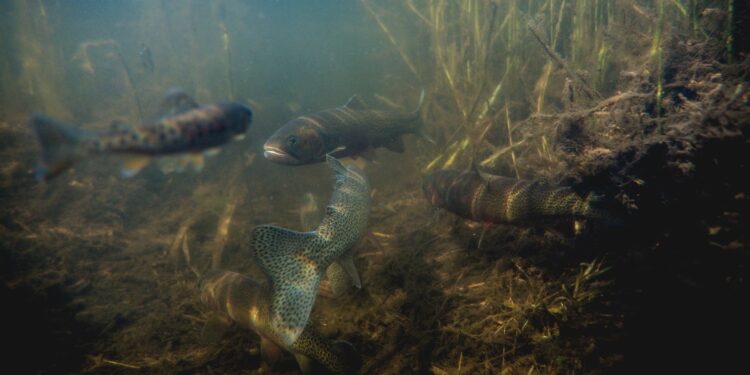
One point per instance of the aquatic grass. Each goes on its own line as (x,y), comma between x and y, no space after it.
(226,46)
(657,55)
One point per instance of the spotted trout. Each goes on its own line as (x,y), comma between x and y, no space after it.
(294,263)
(248,303)
(350,130)
(186,129)
(495,199)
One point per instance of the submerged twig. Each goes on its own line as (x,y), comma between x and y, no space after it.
(591,93)
(390,37)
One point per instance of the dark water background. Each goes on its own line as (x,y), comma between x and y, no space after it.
(84,255)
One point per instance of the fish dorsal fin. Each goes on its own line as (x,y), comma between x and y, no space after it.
(292,262)
(175,102)
(396,145)
(356,103)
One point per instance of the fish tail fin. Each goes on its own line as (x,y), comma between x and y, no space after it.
(294,265)
(60,143)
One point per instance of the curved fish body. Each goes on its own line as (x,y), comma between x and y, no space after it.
(248,304)
(188,130)
(497,199)
(350,130)
(294,262)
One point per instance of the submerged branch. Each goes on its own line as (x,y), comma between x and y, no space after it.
(390,37)
(591,93)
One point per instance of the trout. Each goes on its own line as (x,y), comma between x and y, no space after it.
(350,130)
(294,263)
(186,130)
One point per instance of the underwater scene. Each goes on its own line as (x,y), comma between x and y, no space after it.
(374,186)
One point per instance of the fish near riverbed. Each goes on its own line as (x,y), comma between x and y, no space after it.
(496,199)
(249,304)
(186,130)
(294,263)
(350,130)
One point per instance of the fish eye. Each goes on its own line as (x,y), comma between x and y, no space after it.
(292,140)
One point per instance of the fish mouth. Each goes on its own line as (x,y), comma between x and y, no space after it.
(278,155)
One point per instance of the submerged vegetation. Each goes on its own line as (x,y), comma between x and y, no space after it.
(642,101)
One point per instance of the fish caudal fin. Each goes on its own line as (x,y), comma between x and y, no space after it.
(60,143)
(292,262)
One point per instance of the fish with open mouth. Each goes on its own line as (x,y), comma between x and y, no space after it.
(187,130)
(351,130)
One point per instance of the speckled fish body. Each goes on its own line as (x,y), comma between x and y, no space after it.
(189,131)
(296,261)
(248,304)
(344,131)
(497,199)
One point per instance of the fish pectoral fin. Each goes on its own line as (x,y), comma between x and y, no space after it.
(134,164)
(270,352)
(347,263)
(396,145)
(175,102)
(197,161)
(355,103)
(211,152)
(215,328)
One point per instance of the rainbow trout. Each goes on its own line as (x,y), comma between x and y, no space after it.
(294,263)
(496,199)
(185,129)
(350,130)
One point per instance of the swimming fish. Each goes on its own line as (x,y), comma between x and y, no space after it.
(350,130)
(188,130)
(147,60)
(293,263)
(496,199)
(249,304)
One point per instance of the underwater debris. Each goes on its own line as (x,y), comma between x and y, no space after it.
(146,58)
